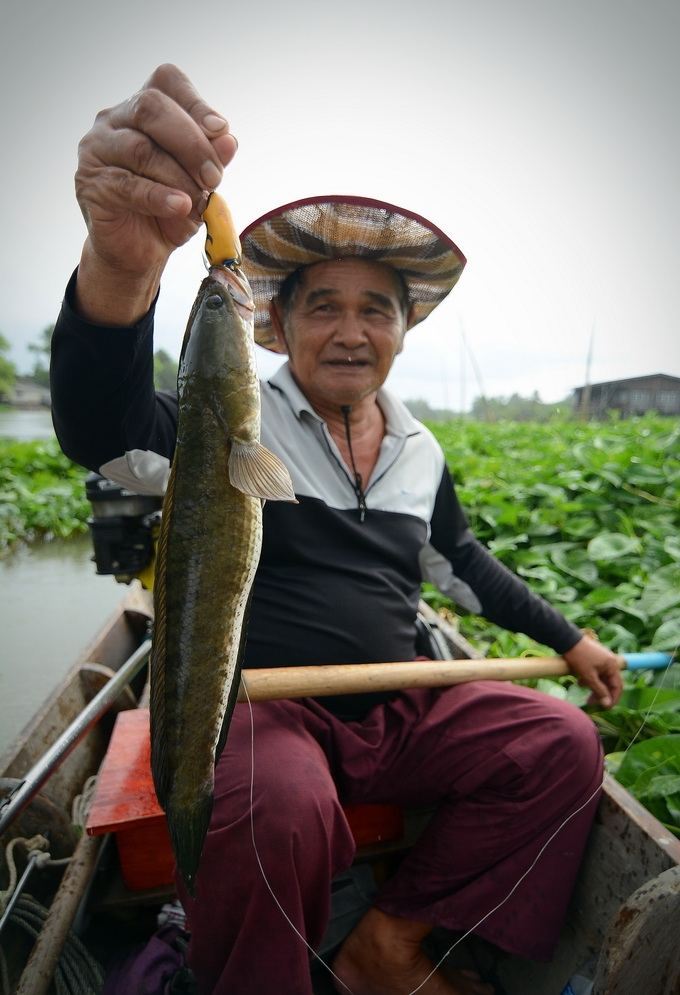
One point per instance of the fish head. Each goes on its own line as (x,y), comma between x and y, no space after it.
(219,339)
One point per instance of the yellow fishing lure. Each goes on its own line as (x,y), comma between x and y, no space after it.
(222,244)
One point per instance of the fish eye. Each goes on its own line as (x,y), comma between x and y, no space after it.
(214,302)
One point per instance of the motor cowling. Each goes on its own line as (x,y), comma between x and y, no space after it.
(123,526)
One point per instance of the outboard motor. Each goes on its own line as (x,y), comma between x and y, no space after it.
(124,527)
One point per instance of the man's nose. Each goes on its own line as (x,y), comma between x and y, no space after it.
(350,330)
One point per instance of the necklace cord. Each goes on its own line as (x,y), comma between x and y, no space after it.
(358,482)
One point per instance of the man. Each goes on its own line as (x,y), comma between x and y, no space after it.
(338,579)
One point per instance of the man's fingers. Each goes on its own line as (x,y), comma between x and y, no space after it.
(156,116)
(606,685)
(129,193)
(614,682)
(600,691)
(173,82)
(137,153)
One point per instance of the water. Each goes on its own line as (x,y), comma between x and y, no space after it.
(25,425)
(52,604)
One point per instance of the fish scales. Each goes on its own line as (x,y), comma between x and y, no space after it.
(208,553)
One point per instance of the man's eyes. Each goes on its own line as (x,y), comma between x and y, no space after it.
(370,309)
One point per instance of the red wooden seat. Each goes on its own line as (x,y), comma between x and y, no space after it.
(125,804)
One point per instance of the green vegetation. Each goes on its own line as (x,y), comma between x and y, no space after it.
(7,369)
(588,514)
(164,370)
(41,492)
(41,350)
(494,409)
(517,408)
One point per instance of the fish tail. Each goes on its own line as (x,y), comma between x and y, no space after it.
(188,827)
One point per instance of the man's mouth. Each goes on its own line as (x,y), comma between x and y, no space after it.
(347,362)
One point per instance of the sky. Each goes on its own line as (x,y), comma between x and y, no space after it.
(541,136)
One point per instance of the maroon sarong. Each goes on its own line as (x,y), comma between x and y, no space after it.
(504,765)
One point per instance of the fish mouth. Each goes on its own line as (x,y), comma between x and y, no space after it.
(237,287)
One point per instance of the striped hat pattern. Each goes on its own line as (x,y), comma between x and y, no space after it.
(331,227)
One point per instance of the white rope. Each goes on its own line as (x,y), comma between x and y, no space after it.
(488,914)
(77,972)
(31,843)
(81,803)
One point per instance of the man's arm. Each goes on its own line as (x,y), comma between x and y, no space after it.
(507,601)
(143,171)
(103,398)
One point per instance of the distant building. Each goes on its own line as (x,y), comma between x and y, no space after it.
(27,394)
(656,392)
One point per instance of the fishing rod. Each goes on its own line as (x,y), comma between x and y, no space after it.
(356,678)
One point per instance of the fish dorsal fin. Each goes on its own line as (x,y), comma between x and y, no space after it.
(256,471)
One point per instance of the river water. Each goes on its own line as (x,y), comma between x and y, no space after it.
(25,425)
(52,603)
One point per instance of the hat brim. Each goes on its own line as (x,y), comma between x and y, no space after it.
(319,229)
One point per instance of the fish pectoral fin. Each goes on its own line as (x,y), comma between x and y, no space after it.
(256,471)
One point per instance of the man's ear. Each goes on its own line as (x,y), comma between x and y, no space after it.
(277,326)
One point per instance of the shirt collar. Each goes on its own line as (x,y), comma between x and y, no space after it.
(398,419)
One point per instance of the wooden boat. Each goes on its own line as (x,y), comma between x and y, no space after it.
(624,917)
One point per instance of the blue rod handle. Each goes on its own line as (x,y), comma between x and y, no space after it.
(647,661)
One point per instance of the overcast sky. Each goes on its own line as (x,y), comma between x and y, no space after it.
(542,136)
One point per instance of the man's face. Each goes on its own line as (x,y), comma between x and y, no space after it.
(343,330)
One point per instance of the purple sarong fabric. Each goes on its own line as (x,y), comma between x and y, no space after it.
(504,766)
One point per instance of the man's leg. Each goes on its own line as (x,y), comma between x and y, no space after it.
(240,942)
(505,766)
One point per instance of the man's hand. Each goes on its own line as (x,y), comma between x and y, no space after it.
(597,668)
(143,170)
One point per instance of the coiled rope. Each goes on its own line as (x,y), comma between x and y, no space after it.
(77,971)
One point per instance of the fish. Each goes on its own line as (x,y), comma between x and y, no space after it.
(209,545)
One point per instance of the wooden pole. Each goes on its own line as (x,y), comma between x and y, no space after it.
(358,678)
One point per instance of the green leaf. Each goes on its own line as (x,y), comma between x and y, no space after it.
(618,638)
(660,755)
(576,563)
(667,636)
(611,546)
(506,543)
(661,785)
(671,545)
(662,591)
(553,688)
(580,527)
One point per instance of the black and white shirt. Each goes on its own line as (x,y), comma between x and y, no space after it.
(330,587)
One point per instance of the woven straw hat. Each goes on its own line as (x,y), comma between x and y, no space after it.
(331,227)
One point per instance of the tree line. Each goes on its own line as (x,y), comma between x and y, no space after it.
(164,366)
(487,409)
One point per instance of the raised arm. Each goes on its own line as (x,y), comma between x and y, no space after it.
(143,172)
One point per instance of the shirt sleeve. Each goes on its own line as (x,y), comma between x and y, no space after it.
(103,398)
(504,598)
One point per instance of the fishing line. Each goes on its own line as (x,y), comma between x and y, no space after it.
(548,841)
(257,854)
(487,915)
